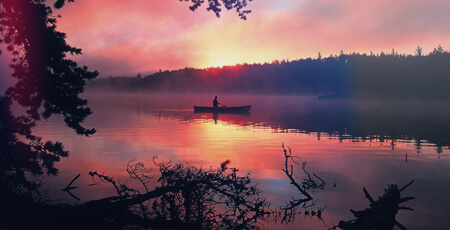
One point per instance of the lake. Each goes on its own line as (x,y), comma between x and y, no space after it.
(350,144)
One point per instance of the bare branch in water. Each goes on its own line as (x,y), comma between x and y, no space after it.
(310,183)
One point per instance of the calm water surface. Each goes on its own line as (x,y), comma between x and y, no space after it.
(350,144)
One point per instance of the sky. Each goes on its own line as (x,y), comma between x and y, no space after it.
(123,38)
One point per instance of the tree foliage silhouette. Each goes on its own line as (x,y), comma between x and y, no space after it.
(216,6)
(45,76)
(47,83)
(419,51)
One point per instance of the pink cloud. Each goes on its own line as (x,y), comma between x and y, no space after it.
(142,35)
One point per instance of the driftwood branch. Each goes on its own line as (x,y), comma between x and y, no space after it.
(368,196)
(404,199)
(407,185)
(381,213)
(406,208)
(69,187)
(400,226)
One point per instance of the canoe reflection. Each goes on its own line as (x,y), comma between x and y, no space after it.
(238,110)
(234,117)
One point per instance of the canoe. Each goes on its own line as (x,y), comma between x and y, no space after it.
(224,109)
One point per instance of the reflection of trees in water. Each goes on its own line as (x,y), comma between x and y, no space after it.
(359,120)
(419,124)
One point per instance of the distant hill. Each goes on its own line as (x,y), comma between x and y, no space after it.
(346,75)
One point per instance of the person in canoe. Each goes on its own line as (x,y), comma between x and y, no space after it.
(216,102)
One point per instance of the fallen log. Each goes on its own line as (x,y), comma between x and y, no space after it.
(381,213)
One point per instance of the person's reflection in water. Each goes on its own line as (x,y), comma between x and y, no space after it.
(215,116)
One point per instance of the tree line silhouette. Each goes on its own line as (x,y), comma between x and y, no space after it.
(352,75)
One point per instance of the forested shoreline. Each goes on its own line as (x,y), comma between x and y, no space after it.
(347,75)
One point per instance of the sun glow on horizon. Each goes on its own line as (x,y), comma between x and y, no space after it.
(219,64)
(153,35)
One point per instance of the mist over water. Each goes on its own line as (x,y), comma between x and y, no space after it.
(350,144)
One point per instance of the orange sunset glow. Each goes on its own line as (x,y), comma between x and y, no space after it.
(124,38)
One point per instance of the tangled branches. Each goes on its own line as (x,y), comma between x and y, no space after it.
(188,197)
